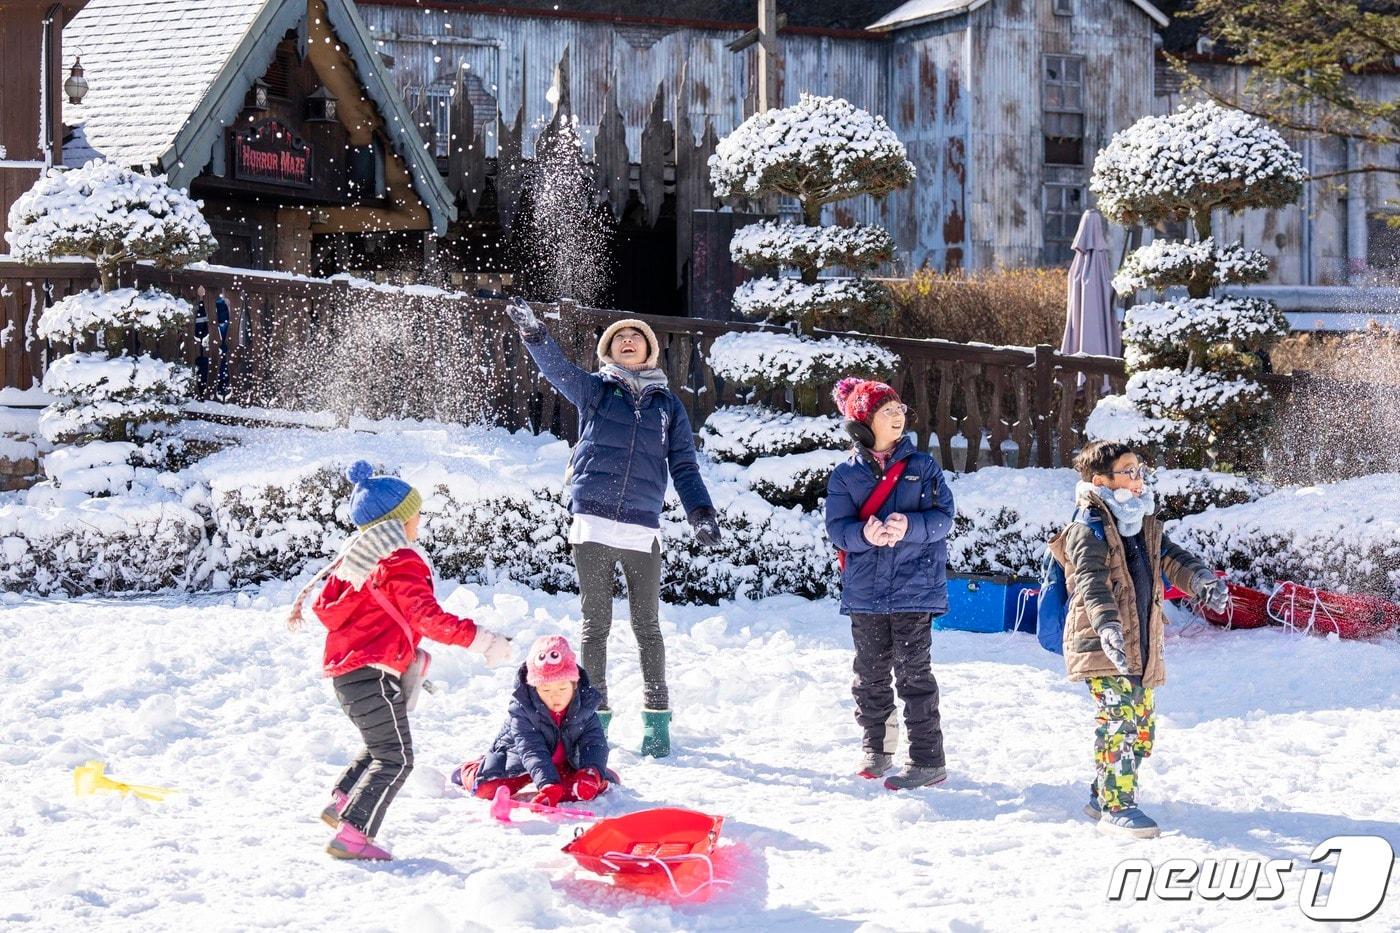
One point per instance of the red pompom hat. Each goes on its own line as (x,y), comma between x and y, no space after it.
(859,399)
(550,659)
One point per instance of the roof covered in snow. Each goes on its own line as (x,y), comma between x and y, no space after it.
(915,12)
(166,76)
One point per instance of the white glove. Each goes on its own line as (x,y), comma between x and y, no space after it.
(1111,637)
(494,648)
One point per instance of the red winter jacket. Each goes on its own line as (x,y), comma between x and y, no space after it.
(360,632)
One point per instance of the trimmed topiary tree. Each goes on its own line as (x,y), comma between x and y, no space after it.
(819,151)
(112,215)
(1193,361)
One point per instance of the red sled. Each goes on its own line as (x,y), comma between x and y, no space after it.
(658,852)
(1248,609)
(1349,615)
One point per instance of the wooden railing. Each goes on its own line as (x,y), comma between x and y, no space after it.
(285,341)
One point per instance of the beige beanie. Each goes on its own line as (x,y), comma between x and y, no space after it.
(605,341)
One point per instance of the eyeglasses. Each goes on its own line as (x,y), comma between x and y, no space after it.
(1139,472)
(889,411)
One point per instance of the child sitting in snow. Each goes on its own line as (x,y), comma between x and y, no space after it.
(552,738)
(1114,554)
(377,604)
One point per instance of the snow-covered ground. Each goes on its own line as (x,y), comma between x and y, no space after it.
(1268,744)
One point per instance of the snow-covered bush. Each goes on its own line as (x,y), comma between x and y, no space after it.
(743,433)
(1186,165)
(784,300)
(1343,536)
(111,214)
(272,530)
(108,545)
(520,537)
(1188,492)
(766,360)
(1163,263)
(794,479)
(771,243)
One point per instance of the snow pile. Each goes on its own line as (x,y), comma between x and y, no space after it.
(818,136)
(790,299)
(772,243)
(1162,263)
(1343,536)
(150,310)
(742,433)
(109,210)
(1165,165)
(770,360)
(96,469)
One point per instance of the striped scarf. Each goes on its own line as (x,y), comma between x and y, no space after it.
(356,560)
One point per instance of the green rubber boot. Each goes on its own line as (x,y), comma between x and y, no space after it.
(656,733)
(605,717)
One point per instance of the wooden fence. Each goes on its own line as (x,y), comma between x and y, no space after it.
(284,341)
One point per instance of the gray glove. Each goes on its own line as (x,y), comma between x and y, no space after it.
(1213,594)
(523,317)
(1111,637)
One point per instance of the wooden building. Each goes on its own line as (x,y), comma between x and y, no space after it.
(278,114)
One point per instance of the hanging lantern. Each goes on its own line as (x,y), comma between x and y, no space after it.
(76,87)
(259,94)
(320,104)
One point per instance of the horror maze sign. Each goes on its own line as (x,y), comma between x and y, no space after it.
(1359,880)
(269,151)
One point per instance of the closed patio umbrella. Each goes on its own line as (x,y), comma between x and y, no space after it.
(1090,325)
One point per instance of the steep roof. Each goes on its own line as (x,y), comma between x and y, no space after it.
(166,76)
(915,12)
(801,14)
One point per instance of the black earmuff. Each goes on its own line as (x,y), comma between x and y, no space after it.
(860,432)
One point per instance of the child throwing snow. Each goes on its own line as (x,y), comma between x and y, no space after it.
(1114,554)
(888,510)
(552,738)
(377,604)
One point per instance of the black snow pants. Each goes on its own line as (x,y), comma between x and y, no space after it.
(900,642)
(374,701)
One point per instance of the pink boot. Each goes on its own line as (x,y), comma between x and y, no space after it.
(350,843)
(331,815)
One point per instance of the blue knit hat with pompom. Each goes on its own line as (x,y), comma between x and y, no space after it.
(379,498)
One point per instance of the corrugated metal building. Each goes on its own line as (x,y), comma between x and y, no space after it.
(1001,103)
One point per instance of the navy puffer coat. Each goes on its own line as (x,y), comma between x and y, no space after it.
(526,742)
(627,446)
(912,575)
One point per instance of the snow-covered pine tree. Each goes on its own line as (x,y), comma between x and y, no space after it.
(112,215)
(819,151)
(1193,361)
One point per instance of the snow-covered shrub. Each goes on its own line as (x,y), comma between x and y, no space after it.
(1186,165)
(1005,516)
(109,397)
(1163,263)
(783,300)
(794,479)
(274,529)
(1116,418)
(1342,536)
(111,213)
(521,537)
(766,360)
(1166,167)
(109,545)
(743,433)
(773,243)
(150,311)
(1188,492)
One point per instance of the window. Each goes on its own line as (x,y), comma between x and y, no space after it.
(1061,208)
(1062,84)
(1063,7)
(440,112)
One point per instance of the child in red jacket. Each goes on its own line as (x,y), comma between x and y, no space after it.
(377,604)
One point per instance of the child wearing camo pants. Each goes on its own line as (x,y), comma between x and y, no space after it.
(1114,555)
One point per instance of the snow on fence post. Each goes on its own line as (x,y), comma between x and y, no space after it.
(1194,362)
(108,398)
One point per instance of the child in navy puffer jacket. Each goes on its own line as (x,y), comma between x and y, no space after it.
(893,581)
(552,738)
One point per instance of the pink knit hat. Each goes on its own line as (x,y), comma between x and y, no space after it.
(550,659)
(859,399)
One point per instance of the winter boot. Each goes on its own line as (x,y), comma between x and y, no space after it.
(656,733)
(1093,809)
(915,776)
(331,815)
(875,764)
(1129,821)
(605,717)
(350,843)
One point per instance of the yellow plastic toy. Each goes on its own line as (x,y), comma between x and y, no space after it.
(88,779)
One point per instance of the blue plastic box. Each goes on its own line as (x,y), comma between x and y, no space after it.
(988,603)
